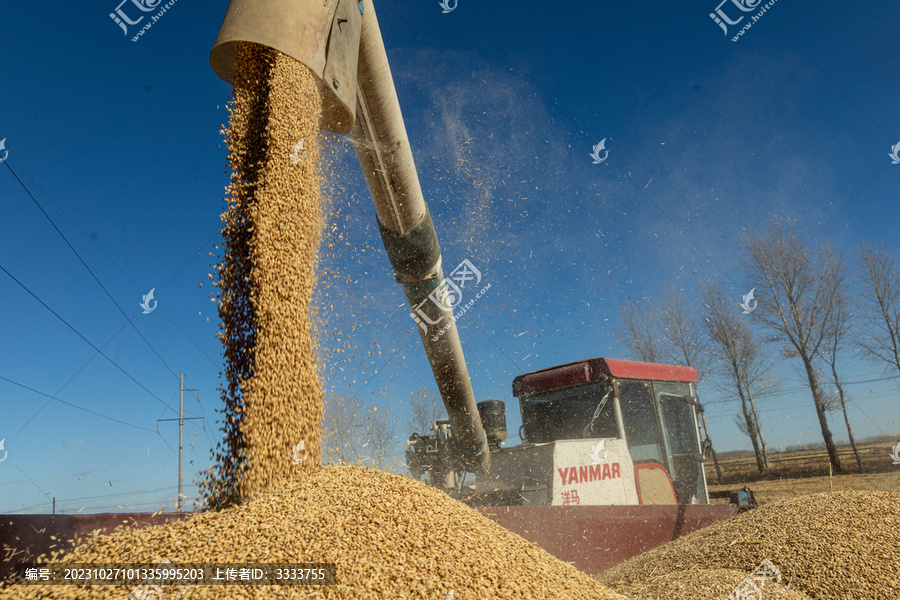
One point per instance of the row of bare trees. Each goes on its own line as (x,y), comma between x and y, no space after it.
(669,333)
(812,306)
(353,434)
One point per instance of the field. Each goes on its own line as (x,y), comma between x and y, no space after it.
(806,472)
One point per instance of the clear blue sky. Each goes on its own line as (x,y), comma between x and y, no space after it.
(120,144)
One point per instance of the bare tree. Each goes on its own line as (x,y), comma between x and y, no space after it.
(829,397)
(740,358)
(425,408)
(741,423)
(879,306)
(834,342)
(381,434)
(343,430)
(797,303)
(686,345)
(640,331)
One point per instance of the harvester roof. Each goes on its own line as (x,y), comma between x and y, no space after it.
(590,370)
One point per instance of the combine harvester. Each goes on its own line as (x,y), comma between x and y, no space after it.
(611,461)
(610,464)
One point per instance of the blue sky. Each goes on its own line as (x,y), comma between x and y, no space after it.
(120,144)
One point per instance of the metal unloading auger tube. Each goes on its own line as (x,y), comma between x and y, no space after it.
(340,41)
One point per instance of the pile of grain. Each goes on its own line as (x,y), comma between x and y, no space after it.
(832,545)
(391,537)
(272,227)
(702,584)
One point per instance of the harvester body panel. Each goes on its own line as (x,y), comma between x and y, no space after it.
(592,472)
(520,475)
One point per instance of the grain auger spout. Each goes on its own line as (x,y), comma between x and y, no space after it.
(340,41)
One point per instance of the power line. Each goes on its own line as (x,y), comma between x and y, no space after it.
(100,497)
(138,507)
(63,386)
(32,481)
(27,191)
(202,410)
(166,442)
(104,496)
(206,245)
(102,416)
(777,392)
(163,467)
(191,340)
(62,235)
(72,248)
(805,404)
(87,411)
(29,507)
(70,223)
(865,414)
(100,352)
(50,99)
(783,392)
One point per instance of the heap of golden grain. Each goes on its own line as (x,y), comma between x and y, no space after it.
(836,545)
(390,537)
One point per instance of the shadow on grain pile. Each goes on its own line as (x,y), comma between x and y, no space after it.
(389,536)
(830,545)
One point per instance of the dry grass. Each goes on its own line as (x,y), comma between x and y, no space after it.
(782,489)
(800,473)
(803,463)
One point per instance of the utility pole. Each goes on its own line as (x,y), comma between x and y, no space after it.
(181,420)
(54,505)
